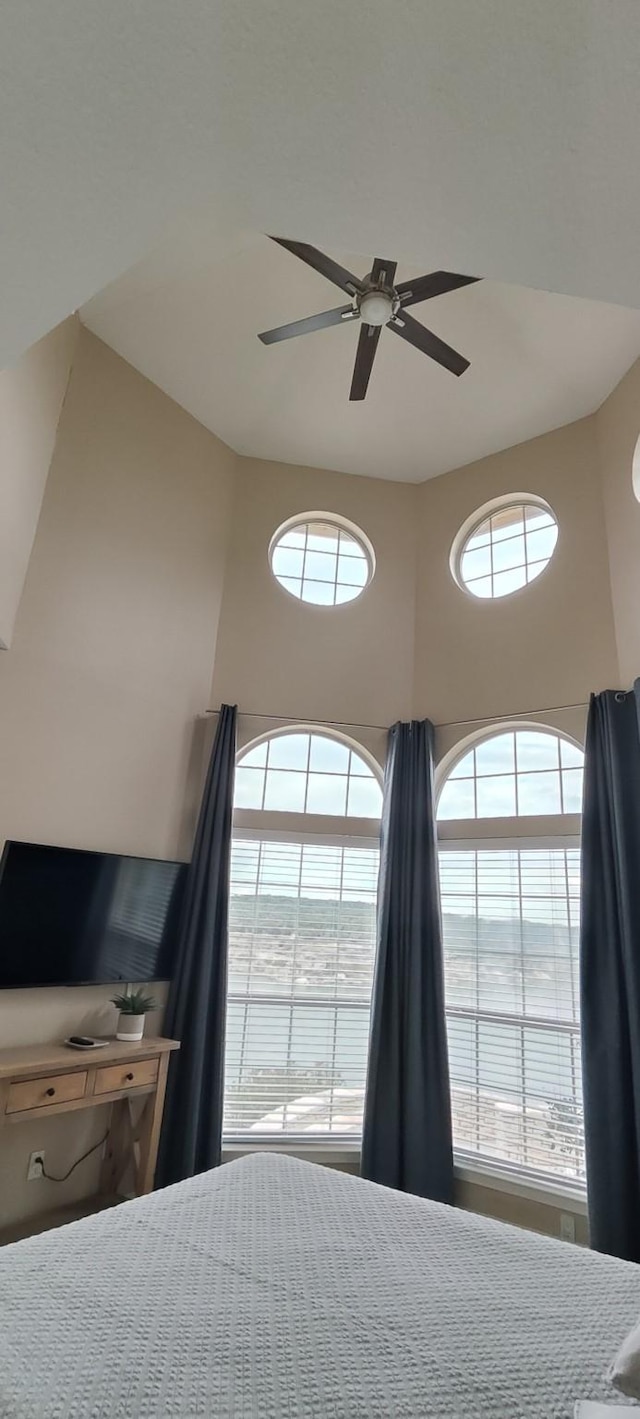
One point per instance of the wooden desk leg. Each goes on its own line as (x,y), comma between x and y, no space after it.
(119,1148)
(134,1142)
(148,1132)
(4,1094)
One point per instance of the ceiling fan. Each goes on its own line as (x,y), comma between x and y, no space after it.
(375,301)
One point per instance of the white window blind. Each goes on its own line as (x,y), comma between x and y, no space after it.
(510,930)
(301,953)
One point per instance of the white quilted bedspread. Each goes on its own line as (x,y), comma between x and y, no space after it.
(272,1288)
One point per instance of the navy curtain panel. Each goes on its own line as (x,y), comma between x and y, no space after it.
(196,1010)
(407,1118)
(610,972)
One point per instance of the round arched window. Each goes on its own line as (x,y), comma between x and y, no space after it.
(514,774)
(307,772)
(504,546)
(322,559)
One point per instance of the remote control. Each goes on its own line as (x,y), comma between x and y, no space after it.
(84,1042)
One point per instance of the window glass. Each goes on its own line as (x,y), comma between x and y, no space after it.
(307,773)
(506,550)
(510,931)
(321,562)
(301,955)
(517,774)
(510,914)
(302,931)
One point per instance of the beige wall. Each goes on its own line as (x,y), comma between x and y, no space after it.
(522,1211)
(149,584)
(618,429)
(415,642)
(551,643)
(116,631)
(279,656)
(31,397)
(110,664)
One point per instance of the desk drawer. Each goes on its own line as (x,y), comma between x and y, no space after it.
(54,1089)
(126,1076)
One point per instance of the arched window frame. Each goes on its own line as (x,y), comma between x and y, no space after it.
(322,825)
(533,827)
(527,833)
(339,835)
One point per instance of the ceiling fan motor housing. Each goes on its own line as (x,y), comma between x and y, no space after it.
(378,304)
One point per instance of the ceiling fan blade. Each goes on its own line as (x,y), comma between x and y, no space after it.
(430,344)
(313,322)
(365,355)
(383,272)
(324,264)
(437,283)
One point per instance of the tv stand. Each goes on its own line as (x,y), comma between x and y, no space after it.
(39,1081)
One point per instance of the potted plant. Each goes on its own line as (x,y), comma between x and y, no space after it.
(133,1007)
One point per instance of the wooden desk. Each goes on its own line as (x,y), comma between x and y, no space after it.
(38,1081)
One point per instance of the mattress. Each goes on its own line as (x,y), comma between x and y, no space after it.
(273,1288)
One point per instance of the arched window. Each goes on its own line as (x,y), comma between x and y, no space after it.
(516,774)
(508,825)
(302,937)
(307,773)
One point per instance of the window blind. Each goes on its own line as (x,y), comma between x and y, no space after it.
(301,954)
(510,934)
(302,941)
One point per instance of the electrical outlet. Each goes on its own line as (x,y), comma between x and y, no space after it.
(567,1227)
(36,1165)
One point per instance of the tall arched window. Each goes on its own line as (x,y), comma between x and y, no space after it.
(302,937)
(508,824)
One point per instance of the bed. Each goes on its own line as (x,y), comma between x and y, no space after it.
(273,1288)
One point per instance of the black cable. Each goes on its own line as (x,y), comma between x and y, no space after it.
(77,1163)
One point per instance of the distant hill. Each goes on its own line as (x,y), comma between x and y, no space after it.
(353,921)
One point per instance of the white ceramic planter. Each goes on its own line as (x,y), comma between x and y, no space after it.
(130,1027)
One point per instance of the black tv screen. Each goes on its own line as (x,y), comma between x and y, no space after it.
(69,917)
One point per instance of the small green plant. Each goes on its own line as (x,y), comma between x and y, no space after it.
(135,1002)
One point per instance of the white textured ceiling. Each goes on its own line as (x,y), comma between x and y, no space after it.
(498,136)
(188,317)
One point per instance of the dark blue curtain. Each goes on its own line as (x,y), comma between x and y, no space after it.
(610,972)
(196,1010)
(407,1120)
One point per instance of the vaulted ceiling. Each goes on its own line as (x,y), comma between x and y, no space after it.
(497,138)
(188,317)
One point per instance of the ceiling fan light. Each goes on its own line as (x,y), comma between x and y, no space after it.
(376,308)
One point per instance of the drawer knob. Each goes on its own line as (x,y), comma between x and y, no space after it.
(50,1093)
(129,1077)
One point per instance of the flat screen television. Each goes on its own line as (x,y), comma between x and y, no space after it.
(69,917)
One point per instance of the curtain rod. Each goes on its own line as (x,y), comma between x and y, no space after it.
(447,724)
